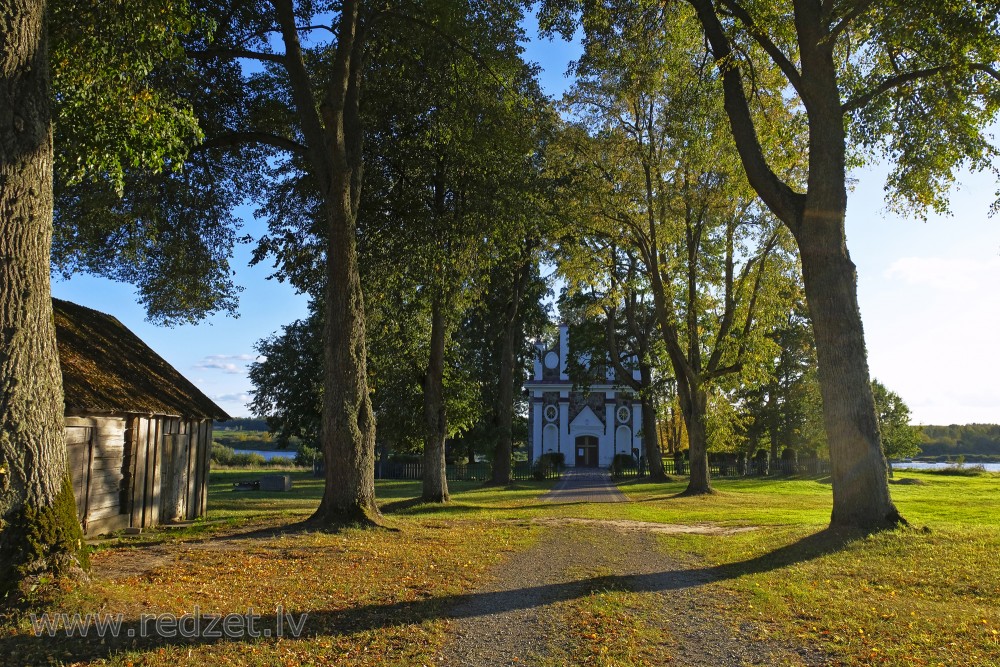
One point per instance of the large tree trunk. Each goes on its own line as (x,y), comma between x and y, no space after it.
(503,411)
(695,407)
(650,434)
(348,419)
(860,484)
(334,135)
(41,533)
(435,487)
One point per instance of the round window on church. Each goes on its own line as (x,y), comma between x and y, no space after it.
(623,414)
(551,360)
(551,412)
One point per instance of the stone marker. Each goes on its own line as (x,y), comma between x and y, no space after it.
(276,483)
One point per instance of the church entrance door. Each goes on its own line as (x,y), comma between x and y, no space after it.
(586,451)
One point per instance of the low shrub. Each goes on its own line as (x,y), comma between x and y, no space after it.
(227,456)
(621,463)
(306,454)
(554,459)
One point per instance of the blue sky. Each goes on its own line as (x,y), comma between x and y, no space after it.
(929,295)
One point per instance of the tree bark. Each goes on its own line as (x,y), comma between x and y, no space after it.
(816,219)
(651,442)
(860,482)
(435,485)
(348,419)
(41,534)
(503,412)
(694,405)
(333,134)
(650,434)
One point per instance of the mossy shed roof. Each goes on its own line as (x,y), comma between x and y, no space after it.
(107,368)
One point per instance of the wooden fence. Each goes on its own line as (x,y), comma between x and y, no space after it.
(746,468)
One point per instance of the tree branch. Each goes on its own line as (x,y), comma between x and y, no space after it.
(230,139)
(451,40)
(611,341)
(859,8)
(859,101)
(779,197)
(777,55)
(246,54)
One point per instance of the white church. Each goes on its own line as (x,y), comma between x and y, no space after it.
(588,427)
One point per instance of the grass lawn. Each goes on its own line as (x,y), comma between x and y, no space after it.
(908,597)
(921,596)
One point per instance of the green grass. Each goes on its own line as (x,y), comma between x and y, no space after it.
(377,597)
(919,596)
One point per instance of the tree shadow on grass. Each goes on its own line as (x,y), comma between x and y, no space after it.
(149,633)
(416,507)
(196,540)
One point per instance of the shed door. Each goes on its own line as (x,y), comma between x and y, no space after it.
(80,452)
(175,478)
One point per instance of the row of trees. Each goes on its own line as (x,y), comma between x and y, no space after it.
(858,79)
(412,136)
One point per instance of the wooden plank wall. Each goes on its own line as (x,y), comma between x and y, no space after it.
(117,466)
(78,449)
(102,511)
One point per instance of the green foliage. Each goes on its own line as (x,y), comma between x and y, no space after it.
(553,459)
(899,439)
(226,456)
(306,455)
(288,381)
(965,439)
(622,462)
(934,65)
(137,199)
(114,107)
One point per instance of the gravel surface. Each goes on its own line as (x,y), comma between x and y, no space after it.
(515,620)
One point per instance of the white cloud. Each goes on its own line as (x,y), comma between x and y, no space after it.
(227,363)
(232,369)
(230,357)
(931,324)
(240,397)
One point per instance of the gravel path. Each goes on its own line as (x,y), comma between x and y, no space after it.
(585,485)
(516,620)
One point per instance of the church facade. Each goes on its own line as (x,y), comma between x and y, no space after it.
(588,427)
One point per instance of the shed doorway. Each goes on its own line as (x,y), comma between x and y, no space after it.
(586,451)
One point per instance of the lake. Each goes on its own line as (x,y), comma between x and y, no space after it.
(268,455)
(923,465)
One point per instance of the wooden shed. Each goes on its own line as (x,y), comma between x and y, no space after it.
(138,433)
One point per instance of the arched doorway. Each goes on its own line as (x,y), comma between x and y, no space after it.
(623,440)
(586,451)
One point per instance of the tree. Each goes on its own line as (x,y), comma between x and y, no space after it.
(287,390)
(109,113)
(663,181)
(899,439)
(915,81)
(453,169)
(618,330)
(776,408)
(447,154)
(40,531)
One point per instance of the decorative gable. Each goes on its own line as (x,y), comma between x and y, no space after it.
(586,421)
